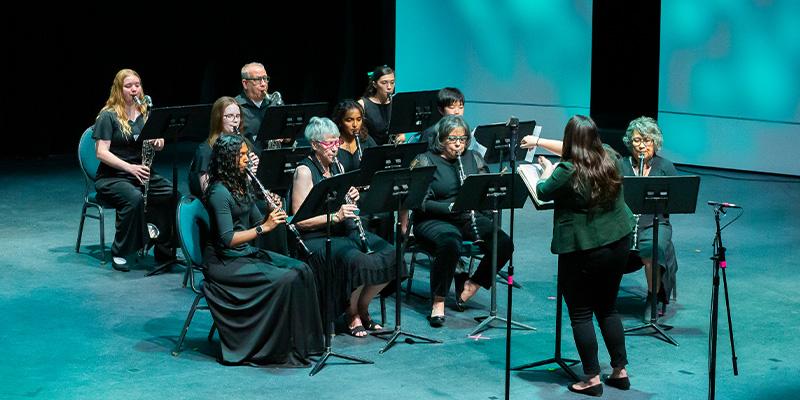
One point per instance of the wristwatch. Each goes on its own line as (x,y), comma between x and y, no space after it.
(259,230)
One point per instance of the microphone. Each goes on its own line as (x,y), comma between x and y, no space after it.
(723,204)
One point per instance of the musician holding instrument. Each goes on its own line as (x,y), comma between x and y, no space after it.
(441,230)
(226,119)
(348,115)
(377,103)
(255,99)
(122,176)
(363,263)
(264,304)
(592,226)
(643,138)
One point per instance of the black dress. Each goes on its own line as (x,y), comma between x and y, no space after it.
(264,304)
(274,240)
(124,191)
(351,266)
(377,118)
(659,166)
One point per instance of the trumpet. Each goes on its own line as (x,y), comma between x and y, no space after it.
(635,246)
(472,222)
(273,205)
(349,200)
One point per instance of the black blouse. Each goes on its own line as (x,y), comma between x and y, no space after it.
(228,216)
(446,184)
(126,147)
(377,117)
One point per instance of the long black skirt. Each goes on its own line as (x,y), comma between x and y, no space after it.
(266,309)
(351,267)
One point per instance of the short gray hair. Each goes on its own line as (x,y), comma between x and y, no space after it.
(318,127)
(648,128)
(246,69)
(446,125)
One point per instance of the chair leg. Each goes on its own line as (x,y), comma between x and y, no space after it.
(177,349)
(80,229)
(211,331)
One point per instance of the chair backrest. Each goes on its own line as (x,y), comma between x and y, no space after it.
(193,229)
(87,155)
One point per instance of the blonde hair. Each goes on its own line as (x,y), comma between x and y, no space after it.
(217,111)
(116,100)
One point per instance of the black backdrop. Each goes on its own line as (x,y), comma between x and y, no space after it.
(59,61)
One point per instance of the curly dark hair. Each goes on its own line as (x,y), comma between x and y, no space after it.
(596,174)
(224,168)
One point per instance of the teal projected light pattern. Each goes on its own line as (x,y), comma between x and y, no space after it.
(729,92)
(528,58)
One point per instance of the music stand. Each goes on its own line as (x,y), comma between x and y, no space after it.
(656,195)
(179,123)
(288,121)
(496,138)
(386,157)
(277,166)
(325,196)
(414,111)
(395,190)
(491,192)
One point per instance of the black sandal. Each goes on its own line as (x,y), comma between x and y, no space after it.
(354,331)
(370,325)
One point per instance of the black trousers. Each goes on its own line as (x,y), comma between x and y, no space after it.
(125,195)
(444,240)
(590,281)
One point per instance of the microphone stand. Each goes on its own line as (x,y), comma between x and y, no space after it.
(719,264)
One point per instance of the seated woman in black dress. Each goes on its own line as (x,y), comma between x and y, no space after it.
(121,175)
(348,116)
(436,226)
(264,304)
(356,277)
(226,119)
(644,137)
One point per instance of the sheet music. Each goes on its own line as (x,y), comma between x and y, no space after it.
(537,131)
(531,175)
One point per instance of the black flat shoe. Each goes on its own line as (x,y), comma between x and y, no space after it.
(436,321)
(596,390)
(619,383)
(121,267)
(460,280)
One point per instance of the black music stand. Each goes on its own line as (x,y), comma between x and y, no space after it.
(658,195)
(496,138)
(324,197)
(395,190)
(491,192)
(179,123)
(414,111)
(288,121)
(277,166)
(385,157)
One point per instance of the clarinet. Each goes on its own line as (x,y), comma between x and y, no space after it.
(148,154)
(472,223)
(349,200)
(635,246)
(268,197)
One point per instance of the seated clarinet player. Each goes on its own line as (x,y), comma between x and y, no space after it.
(356,276)
(226,119)
(123,179)
(264,304)
(437,227)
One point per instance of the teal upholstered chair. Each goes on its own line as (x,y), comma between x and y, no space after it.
(89,163)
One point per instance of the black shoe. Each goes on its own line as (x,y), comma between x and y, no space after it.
(120,266)
(436,321)
(619,383)
(460,281)
(596,390)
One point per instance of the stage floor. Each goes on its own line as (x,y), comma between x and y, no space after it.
(74,328)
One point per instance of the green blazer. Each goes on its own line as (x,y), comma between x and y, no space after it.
(576,226)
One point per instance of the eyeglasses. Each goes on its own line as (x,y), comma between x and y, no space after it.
(453,139)
(256,79)
(231,117)
(329,144)
(638,140)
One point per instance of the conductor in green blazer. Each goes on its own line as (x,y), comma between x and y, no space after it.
(591,235)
